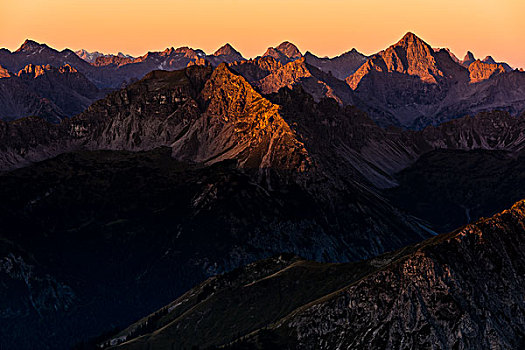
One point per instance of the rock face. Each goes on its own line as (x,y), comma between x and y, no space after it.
(480,71)
(312,80)
(4,73)
(468,59)
(411,76)
(107,60)
(284,53)
(491,60)
(458,290)
(240,124)
(461,290)
(410,56)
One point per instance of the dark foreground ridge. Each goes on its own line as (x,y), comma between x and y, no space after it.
(461,290)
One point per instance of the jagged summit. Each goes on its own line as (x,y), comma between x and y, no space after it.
(410,39)
(340,66)
(489,60)
(450,53)
(469,56)
(285,52)
(289,50)
(89,56)
(410,56)
(31,45)
(226,49)
(468,59)
(4,73)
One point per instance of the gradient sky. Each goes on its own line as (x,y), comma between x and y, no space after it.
(329,27)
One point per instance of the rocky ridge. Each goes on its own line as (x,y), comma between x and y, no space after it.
(341,66)
(412,85)
(284,53)
(456,290)
(480,71)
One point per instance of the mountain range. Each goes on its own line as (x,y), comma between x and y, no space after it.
(282,201)
(409,84)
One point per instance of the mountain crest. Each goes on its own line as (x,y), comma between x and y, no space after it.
(289,50)
(489,60)
(226,49)
(468,59)
(31,45)
(168,51)
(410,39)
(469,56)
(410,55)
(285,52)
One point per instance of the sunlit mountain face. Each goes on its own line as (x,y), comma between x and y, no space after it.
(248,191)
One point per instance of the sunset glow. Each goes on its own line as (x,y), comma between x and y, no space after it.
(132,26)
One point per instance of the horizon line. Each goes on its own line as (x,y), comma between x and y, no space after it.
(254,57)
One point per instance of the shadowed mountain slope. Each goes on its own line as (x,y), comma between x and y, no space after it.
(456,290)
(47,92)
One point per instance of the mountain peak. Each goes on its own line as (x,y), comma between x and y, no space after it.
(289,50)
(410,56)
(451,54)
(169,51)
(469,57)
(489,60)
(285,52)
(226,50)
(410,39)
(30,45)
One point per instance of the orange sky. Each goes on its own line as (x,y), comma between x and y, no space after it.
(327,27)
